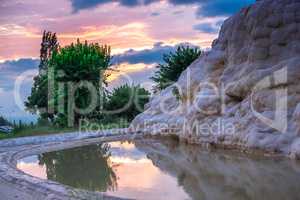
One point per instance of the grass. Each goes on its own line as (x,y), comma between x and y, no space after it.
(37,130)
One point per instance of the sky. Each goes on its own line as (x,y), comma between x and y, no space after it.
(138,31)
(129,164)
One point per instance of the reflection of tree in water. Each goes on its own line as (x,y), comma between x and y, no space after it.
(82,167)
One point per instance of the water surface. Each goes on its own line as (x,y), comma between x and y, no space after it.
(165,169)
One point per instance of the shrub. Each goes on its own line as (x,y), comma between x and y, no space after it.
(127,101)
(175,64)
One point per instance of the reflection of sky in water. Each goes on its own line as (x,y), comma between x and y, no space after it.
(151,169)
(31,166)
(136,176)
(29,159)
(126,151)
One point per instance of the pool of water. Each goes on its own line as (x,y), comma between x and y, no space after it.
(166,169)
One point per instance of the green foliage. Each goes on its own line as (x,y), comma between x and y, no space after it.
(37,102)
(67,68)
(81,61)
(175,64)
(48,46)
(76,64)
(127,101)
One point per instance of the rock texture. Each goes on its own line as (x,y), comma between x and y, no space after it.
(249,82)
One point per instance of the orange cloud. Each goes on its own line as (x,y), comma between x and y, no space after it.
(120,38)
(127,28)
(125,69)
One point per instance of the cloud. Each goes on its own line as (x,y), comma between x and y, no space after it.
(84,4)
(207,8)
(132,74)
(183,2)
(11,69)
(131,59)
(147,56)
(178,12)
(136,67)
(126,28)
(154,14)
(19,65)
(211,8)
(12,111)
(206,28)
(222,7)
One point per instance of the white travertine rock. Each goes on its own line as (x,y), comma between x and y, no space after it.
(255,66)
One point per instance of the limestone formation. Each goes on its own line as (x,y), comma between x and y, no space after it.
(248,84)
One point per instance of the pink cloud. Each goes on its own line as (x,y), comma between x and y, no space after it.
(22,22)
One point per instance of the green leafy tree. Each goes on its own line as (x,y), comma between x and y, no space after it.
(67,69)
(127,101)
(77,64)
(174,64)
(49,44)
(37,102)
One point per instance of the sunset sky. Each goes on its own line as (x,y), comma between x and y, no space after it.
(139,31)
